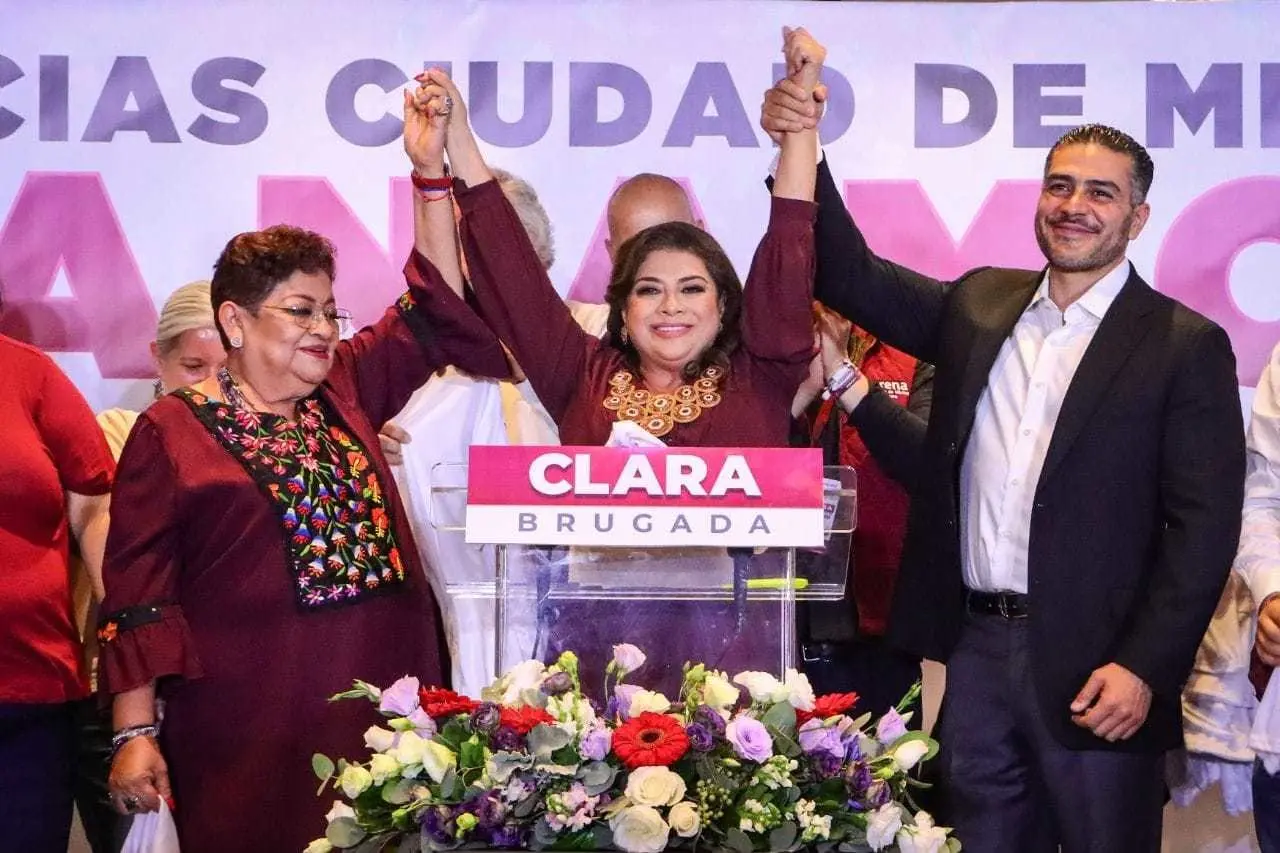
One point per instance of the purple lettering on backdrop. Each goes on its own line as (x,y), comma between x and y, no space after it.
(248,110)
(593,275)
(840,102)
(110,314)
(711,83)
(1031,105)
(901,223)
(130,76)
(1269,104)
(10,72)
(369,278)
(1221,92)
(535,112)
(340,102)
(1194,265)
(586,79)
(932,130)
(54,97)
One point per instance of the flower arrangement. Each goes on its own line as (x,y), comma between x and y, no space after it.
(738,765)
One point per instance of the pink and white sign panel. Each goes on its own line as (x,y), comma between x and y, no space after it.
(646,497)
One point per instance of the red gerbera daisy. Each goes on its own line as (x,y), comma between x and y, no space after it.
(524,718)
(650,740)
(439,702)
(829,705)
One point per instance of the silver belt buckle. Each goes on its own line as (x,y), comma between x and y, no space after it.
(1002,605)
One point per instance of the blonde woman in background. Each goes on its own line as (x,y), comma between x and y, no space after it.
(186,351)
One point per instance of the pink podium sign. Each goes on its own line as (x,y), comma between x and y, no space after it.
(647,497)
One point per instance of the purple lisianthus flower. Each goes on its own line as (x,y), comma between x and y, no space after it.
(890,727)
(557,683)
(595,744)
(750,738)
(486,718)
(612,708)
(878,794)
(401,698)
(857,778)
(437,824)
(422,723)
(700,737)
(709,718)
(825,765)
(815,738)
(506,738)
(507,837)
(624,693)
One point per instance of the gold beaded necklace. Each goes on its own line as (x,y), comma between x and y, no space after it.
(659,413)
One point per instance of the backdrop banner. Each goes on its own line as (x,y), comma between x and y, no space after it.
(137,137)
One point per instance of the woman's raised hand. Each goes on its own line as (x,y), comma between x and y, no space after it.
(428,110)
(805,57)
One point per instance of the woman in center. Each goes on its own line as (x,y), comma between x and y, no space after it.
(690,355)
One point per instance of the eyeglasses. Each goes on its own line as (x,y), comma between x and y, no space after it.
(309,318)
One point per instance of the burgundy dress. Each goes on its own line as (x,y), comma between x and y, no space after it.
(255,569)
(570,370)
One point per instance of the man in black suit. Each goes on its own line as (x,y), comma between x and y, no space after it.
(1079,508)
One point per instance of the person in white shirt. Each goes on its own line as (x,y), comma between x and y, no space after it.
(1258,564)
(1078,507)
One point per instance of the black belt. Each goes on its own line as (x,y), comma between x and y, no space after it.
(1010,605)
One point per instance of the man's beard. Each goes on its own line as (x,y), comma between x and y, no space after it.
(1103,255)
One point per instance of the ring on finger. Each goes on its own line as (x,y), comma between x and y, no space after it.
(130,802)
(447,106)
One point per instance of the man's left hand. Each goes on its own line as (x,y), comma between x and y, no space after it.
(1113,704)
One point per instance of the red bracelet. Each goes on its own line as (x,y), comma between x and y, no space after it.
(444,183)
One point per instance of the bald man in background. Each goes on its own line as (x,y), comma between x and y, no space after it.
(643,201)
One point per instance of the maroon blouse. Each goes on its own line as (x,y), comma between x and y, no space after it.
(201,594)
(570,369)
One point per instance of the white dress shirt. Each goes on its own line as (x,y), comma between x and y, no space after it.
(1258,559)
(1012,426)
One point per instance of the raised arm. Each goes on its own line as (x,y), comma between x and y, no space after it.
(896,304)
(430,326)
(511,288)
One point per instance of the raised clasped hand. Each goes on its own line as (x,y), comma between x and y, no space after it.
(796,102)
(428,110)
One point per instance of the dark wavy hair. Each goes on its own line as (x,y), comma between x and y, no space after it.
(677,237)
(253,263)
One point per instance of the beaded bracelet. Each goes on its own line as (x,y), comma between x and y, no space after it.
(120,738)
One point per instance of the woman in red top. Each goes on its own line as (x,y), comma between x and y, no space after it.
(55,476)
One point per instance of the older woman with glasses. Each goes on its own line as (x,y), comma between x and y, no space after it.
(260,558)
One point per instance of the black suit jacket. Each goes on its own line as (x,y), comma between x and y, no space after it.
(1137,510)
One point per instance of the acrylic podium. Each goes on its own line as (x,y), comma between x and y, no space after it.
(662,552)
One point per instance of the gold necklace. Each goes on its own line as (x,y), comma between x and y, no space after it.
(659,413)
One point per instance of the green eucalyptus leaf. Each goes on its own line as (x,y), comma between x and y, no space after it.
(780,716)
(739,840)
(322,766)
(545,739)
(597,777)
(783,837)
(344,833)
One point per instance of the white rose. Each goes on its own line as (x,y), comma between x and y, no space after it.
(355,780)
(627,658)
(437,760)
(718,692)
(383,767)
(379,739)
(655,786)
(639,829)
(908,755)
(883,824)
(762,686)
(526,675)
(408,750)
(340,809)
(684,819)
(647,700)
(799,690)
(924,837)
(320,845)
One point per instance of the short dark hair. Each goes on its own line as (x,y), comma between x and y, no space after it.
(253,263)
(1143,170)
(677,237)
